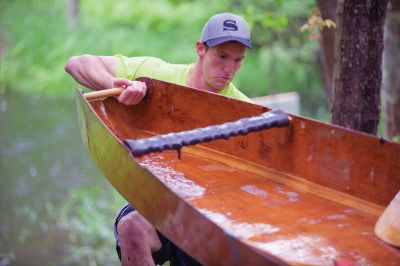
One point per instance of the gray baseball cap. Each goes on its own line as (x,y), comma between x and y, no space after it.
(226,27)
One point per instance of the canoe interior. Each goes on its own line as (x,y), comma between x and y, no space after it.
(308,194)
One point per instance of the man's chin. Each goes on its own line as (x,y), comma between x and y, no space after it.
(219,85)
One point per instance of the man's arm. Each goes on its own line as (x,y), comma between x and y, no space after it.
(98,73)
(94,72)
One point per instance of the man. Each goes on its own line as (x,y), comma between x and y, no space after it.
(221,50)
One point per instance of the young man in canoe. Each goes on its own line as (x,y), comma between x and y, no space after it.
(221,50)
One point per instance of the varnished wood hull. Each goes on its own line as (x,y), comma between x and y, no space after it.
(309,194)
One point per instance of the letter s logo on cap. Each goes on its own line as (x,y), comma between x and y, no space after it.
(230,25)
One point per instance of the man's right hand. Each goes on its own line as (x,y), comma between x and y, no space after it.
(134,91)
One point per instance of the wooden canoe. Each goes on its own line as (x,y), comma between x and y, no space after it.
(307,194)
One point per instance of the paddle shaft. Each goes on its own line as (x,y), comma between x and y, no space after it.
(175,141)
(102,93)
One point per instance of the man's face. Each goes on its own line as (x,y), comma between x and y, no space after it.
(220,64)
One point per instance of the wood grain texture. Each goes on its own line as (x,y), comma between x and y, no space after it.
(305,195)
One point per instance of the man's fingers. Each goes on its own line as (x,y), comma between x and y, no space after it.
(121,82)
(139,91)
(133,94)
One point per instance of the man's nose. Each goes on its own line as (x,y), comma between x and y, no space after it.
(229,67)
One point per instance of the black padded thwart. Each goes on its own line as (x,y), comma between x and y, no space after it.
(175,141)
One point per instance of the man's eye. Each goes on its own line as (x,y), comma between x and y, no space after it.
(222,56)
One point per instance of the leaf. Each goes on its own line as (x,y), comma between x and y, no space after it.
(330,23)
(313,20)
(315,11)
(304,28)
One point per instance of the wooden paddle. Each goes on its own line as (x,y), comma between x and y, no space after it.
(102,93)
(388,226)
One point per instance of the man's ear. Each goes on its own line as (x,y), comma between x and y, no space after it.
(200,48)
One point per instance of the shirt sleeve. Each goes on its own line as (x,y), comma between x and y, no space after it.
(128,67)
(152,67)
(135,67)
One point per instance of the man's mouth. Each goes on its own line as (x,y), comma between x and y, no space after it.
(225,79)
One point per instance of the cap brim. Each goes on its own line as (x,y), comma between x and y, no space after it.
(217,41)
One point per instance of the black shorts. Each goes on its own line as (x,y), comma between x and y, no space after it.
(168,251)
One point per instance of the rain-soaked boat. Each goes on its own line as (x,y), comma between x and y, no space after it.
(308,193)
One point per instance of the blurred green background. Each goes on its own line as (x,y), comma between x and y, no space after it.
(56,208)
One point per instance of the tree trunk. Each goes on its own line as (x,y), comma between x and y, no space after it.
(391,70)
(327,43)
(358,75)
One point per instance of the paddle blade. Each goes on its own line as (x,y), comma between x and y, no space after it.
(388,226)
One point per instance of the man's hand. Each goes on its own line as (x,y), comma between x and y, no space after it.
(133,93)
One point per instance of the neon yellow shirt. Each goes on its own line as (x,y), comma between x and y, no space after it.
(152,67)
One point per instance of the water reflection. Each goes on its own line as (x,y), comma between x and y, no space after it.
(240,230)
(175,180)
(307,250)
(45,175)
(252,189)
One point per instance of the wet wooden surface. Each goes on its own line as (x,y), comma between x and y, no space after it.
(305,195)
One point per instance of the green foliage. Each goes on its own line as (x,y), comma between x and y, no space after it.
(38,41)
(283,58)
(87,216)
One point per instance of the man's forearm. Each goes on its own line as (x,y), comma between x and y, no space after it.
(98,73)
(91,71)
